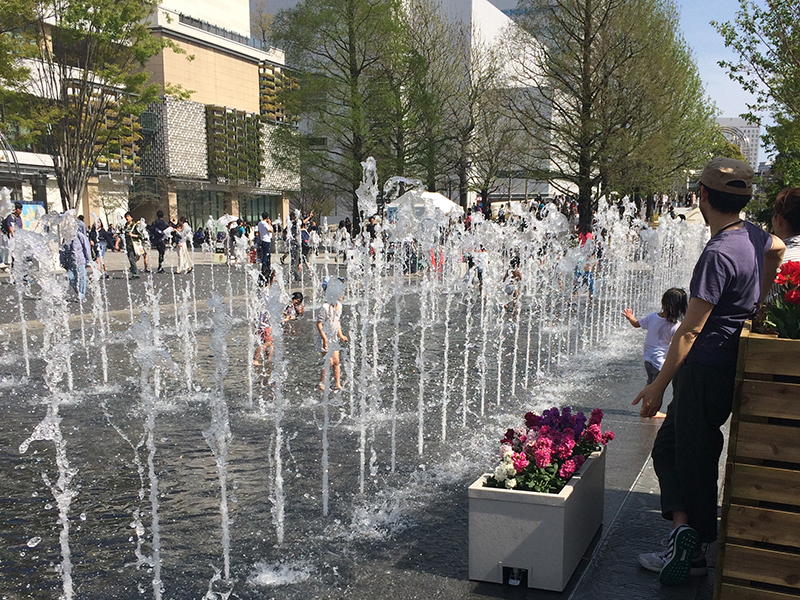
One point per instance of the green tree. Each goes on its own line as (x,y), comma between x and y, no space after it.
(337,45)
(86,78)
(16,41)
(612,97)
(766,40)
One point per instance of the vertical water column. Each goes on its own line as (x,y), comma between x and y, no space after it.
(151,357)
(275,301)
(218,435)
(56,351)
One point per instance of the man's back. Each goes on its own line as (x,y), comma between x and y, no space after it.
(728,275)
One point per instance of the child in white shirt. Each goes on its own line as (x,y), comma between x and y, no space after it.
(660,328)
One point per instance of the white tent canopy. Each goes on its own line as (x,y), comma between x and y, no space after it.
(428,200)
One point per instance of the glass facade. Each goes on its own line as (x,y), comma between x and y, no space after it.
(251,207)
(197,205)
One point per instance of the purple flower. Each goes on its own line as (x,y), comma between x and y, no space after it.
(578,423)
(579,460)
(508,438)
(532,420)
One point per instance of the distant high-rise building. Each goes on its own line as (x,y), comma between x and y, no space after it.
(743,134)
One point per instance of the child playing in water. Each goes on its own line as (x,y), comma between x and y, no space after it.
(329,325)
(660,329)
(296,309)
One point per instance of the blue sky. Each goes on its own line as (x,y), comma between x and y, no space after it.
(708,47)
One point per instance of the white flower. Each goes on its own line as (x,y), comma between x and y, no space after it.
(500,473)
(510,470)
(511,483)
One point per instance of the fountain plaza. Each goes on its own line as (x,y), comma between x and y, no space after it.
(143,455)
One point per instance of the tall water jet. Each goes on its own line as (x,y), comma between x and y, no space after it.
(218,435)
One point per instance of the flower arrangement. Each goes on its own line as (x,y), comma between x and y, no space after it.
(545,453)
(782,309)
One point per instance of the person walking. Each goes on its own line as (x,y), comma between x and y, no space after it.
(11,224)
(265,244)
(185,264)
(75,256)
(133,244)
(732,276)
(158,238)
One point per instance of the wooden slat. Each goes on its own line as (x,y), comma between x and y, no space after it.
(772,356)
(738,592)
(768,442)
(765,566)
(764,525)
(755,482)
(770,399)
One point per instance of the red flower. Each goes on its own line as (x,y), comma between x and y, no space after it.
(789,274)
(792,296)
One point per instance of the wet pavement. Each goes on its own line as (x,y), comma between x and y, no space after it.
(434,565)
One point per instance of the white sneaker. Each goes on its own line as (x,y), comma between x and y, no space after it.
(683,558)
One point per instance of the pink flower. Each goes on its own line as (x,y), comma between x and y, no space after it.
(565,444)
(579,460)
(592,433)
(520,461)
(567,470)
(607,437)
(543,452)
(597,416)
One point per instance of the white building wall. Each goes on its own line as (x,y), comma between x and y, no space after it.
(751,133)
(233,15)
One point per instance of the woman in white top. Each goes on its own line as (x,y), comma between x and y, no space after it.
(185,264)
(786,222)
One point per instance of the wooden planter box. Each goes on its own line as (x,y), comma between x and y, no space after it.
(544,534)
(758,556)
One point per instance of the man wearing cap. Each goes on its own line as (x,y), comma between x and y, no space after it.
(732,275)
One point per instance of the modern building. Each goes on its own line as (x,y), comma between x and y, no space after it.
(206,156)
(745,135)
(210,155)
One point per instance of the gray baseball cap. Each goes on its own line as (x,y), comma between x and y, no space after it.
(728,175)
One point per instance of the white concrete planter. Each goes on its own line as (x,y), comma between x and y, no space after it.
(545,534)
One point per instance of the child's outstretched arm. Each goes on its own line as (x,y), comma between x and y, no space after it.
(628,314)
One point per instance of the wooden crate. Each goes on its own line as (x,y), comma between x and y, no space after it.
(758,555)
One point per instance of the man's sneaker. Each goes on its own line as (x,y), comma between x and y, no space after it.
(679,560)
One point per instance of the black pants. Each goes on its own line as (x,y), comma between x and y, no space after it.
(266,262)
(132,259)
(687,448)
(162,247)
